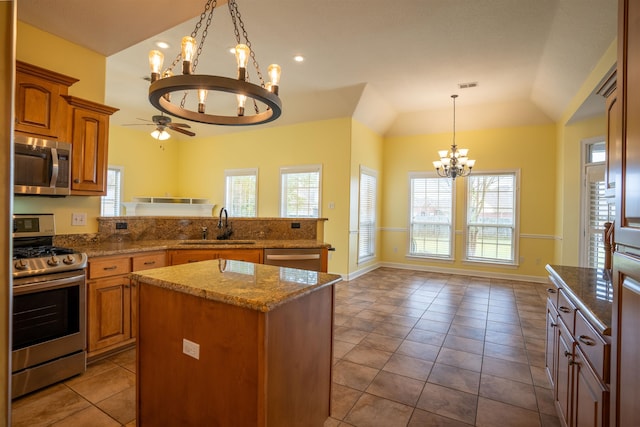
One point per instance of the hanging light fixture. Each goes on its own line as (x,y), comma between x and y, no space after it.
(454,163)
(160,134)
(264,96)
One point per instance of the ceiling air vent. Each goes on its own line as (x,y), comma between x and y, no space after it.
(467,85)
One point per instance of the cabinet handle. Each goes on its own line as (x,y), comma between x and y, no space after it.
(127,286)
(567,353)
(573,362)
(193,260)
(551,291)
(553,325)
(586,340)
(564,309)
(149,263)
(77,181)
(113,267)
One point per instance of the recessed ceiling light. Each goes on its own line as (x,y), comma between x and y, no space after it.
(162,45)
(298,58)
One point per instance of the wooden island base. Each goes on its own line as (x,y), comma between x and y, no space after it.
(255,368)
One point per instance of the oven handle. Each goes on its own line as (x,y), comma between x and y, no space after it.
(46,284)
(55,168)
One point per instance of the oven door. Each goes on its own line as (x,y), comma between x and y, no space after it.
(49,318)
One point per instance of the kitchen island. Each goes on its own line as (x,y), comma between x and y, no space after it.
(234,343)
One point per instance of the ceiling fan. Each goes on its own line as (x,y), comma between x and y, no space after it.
(162,122)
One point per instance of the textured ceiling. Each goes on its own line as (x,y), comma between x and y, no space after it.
(391,65)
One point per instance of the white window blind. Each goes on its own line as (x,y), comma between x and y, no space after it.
(492,217)
(431,216)
(367,215)
(599,212)
(110,204)
(300,191)
(241,192)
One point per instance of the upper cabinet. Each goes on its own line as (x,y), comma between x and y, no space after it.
(88,127)
(40,109)
(612,171)
(627,232)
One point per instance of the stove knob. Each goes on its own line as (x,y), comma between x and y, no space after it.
(21,265)
(53,261)
(68,260)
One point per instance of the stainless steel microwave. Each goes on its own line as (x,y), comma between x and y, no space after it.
(41,167)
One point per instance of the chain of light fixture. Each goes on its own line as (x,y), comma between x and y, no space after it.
(164,83)
(454,163)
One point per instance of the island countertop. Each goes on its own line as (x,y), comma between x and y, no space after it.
(254,286)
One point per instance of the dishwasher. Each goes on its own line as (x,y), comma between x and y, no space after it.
(304,259)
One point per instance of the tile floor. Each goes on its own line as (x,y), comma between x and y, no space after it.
(411,349)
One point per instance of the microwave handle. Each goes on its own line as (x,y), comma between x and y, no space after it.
(55,168)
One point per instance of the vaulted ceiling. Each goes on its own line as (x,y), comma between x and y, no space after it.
(392,65)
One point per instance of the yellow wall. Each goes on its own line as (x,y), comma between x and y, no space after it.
(366,150)
(150,166)
(529,149)
(45,50)
(202,163)
(568,250)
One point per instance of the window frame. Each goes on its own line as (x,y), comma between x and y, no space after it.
(119,187)
(372,229)
(287,170)
(228,175)
(516,220)
(452,230)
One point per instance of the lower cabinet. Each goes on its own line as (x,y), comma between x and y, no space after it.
(577,363)
(111,307)
(183,256)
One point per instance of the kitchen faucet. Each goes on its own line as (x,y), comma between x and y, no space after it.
(205,232)
(227,231)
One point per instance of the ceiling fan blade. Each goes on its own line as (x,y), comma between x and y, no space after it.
(139,124)
(181,125)
(186,132)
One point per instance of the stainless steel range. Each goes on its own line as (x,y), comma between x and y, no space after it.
(49,306)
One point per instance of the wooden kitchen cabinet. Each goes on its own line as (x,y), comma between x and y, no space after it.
(112,307)
(183,256)
(577,361)
(40,109)
(613,166)
(88,126)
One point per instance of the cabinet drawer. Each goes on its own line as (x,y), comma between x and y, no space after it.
(566,311)
(552,292)
(594,347)
(105,267)
(151,260)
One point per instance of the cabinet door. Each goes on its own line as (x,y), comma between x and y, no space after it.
(591,398)
(564,356)
(625,361)
(39,108)
(628,190)
(149,260)
(190,255)
(552,343)
(612,171)
(89,127)
(109,311)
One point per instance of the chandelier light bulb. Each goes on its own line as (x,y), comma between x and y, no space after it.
(202,98)
(443,153)
(242,99)
(156,59)
(463,152)
(471,163)
(188,53)
(242,57)
(274,71)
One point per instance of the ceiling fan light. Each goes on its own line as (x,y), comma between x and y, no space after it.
(160,135)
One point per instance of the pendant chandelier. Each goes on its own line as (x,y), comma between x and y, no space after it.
(189,101)
(453,163)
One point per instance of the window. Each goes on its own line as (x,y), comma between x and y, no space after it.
(367,215)
(241,192)
(110,205)
(492,217)
(300,191)
(431,216)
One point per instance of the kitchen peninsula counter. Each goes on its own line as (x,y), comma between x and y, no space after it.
(234,343)
(108,248)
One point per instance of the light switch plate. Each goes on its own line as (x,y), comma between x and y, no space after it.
(79,218)
(191,349)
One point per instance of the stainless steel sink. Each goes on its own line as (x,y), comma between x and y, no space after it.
(217,242)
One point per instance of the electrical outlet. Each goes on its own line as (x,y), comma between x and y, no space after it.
(121,225)
(295,225)
(332,205)
(79,218)
(191,349)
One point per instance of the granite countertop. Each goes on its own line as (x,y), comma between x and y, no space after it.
(254,286)
(591,290)
(118,248)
